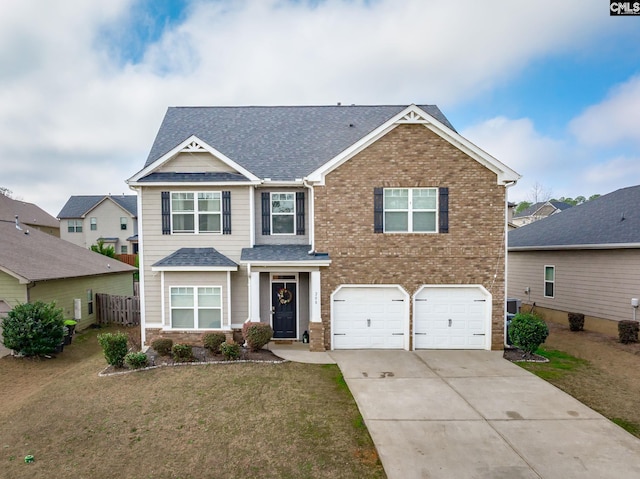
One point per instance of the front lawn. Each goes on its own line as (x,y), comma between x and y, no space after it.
(259,420)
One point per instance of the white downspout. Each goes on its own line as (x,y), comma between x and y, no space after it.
(506,257)
(311,216)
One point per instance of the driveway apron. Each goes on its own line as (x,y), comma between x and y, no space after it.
(472,414)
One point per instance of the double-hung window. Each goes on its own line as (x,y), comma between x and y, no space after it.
(283,213)
(94,223)
(74,226)
(549,281)
(410,210)
(196,307)
(196,212)
(123,223)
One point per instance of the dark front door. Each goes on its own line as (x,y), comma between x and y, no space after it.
(283,300)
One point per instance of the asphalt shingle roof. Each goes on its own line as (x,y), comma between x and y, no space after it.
(285,253)
(608,220)
(196,257)
(78,206)
(27,213)
(281,142)
(39,256)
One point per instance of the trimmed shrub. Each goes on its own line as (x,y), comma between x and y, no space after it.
(33,329)
(114,347)
(628,331)
(162,346)
(256,334)
(182,352)
(212,341)
(136,360)
(576,321)
(230,350)
(528,331)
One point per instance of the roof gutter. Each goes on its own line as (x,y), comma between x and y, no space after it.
(601,246)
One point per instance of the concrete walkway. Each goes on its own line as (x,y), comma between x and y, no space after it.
(472,414)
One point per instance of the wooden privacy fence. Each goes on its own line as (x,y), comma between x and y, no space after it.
(123,310)
(127,258)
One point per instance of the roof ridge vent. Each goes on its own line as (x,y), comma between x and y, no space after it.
(18,224)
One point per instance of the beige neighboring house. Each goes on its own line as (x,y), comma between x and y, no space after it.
(85,220)
(37,266)
(358,225)
(585,260)
(28,214)
(538,211)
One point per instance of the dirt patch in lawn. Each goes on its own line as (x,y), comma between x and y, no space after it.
(606,378)
(260,420)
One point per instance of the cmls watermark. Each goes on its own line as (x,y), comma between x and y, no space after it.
(623,8)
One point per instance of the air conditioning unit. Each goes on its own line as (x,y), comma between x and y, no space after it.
(513,305)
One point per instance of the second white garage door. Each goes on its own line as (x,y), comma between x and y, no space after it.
(452,317)
(370,317)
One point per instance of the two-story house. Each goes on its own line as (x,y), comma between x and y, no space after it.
(538,211)
(28,214)
(358,224)
(112,219)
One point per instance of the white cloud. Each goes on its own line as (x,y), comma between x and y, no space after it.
(614,120)
(80,121)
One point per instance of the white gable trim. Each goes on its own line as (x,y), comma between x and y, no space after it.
(414,115)
(191,144)
(21,279)
(84,215)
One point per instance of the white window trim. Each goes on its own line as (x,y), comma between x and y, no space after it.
(76,224)
(196,322)
(93,223)
(293,214)
(196,212)
(410,211)
(123,221)
(544,286)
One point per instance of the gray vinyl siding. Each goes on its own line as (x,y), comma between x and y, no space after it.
(597,283)
(64,291)
(293,239)
(11,291)
(156,246)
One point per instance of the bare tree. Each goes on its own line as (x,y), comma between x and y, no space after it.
(4,191)
(539,193)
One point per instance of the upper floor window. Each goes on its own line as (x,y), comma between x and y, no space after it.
(549,281)
(123,223)
(283,213)
(196,212)
(410,210)
(74,226)
(94,223)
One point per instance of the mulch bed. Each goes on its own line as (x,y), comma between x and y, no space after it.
(518,355)
(201,356)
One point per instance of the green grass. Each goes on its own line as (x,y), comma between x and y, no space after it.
(628,426)
(559,365)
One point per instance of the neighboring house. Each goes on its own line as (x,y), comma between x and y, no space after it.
(37,266)
(113,219)
(358,224)
(30,215)
(586,260)
(539,211)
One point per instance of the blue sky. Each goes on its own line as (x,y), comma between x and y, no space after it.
(550,88)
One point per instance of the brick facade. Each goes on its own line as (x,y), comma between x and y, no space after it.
(471,253)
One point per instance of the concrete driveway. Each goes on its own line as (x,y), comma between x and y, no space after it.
(472,414)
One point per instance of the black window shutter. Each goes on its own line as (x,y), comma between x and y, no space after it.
(378,210)
(300,212)
(226,212)
(443,210)
(266,213)
(166,213)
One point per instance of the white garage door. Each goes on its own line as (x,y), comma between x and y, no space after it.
(370,317)
(452,318)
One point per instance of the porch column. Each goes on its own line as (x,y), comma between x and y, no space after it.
(254,289)
(314,297)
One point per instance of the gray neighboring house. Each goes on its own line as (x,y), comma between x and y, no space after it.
(538,211)
(29,214)
(85,220)
(586,260)
(37,266)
